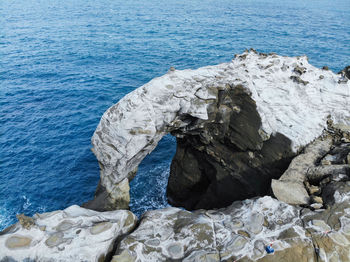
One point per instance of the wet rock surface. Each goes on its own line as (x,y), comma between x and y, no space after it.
(73,234)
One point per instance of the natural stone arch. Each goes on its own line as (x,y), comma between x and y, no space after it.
(289,98)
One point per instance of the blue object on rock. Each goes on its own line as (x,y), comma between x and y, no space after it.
(269,249)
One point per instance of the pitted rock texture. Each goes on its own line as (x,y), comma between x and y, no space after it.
(242,231)
(279,96)
(73,234)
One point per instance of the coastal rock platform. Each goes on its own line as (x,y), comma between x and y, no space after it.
(261,171)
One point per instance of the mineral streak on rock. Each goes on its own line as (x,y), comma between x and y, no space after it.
(73,234)
(246,108)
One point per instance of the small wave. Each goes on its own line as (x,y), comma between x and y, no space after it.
(26,204)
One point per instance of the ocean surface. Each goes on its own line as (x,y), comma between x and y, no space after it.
(63,63)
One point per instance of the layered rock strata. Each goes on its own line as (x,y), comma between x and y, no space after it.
(237,125)
(73,234)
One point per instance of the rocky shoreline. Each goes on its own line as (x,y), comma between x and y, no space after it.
(239,126)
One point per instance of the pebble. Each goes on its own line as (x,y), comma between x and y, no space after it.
(316,205)
(317,199)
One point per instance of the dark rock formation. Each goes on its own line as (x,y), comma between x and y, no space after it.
(226,158)
(345,71)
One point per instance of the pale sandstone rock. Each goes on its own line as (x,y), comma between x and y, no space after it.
(73,234)
(296,234)
(291,102)
(290,192)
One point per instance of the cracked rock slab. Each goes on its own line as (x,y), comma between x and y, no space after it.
(291,192)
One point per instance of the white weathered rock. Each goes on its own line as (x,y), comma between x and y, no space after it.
(291,192)
(290,101)
(290,187)
(240,232)
(73,234)
(216,235)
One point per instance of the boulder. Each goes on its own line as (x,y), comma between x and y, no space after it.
(237,124)
(291,192)
(290,187)
(73,234)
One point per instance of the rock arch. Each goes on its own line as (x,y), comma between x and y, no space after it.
(239,123)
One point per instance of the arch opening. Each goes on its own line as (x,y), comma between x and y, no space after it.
(148,188)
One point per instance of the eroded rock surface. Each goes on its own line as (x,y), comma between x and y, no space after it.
(73,234)
(322,161)
(242,231)
(245,108)
(316,231)
(239,232)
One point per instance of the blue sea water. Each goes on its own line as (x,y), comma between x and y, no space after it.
(63,63)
